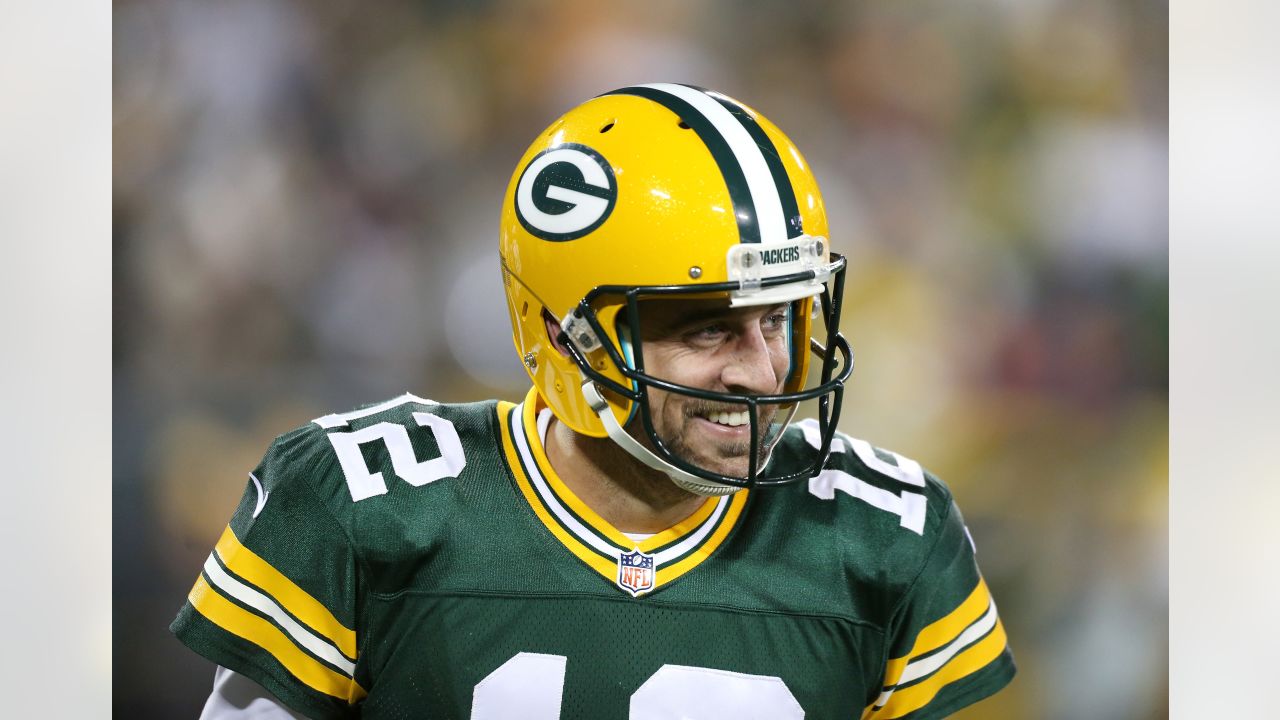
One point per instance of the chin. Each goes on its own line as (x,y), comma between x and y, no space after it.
(735,467)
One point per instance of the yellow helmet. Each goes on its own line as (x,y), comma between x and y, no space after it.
(667,190)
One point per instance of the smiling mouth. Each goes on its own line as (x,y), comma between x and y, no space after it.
(722,442)
(730,418)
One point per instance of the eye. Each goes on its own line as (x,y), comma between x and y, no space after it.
(775,321)
(713,330)
(707,335)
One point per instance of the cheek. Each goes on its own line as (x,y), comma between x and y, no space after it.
(781,359)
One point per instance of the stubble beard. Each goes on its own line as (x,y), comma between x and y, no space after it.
(730,459)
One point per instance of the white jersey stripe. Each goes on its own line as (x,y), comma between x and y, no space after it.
(927,666)
(229,585)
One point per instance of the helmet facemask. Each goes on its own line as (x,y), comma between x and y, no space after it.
(598,335)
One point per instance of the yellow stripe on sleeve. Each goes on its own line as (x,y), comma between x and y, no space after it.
(242,623)
(971,660)
(937,634)
(244,562)
(943,631)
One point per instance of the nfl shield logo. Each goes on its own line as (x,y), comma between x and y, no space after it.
(635,572)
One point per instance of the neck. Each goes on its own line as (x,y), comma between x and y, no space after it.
(630,496)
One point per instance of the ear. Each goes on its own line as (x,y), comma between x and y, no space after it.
(555,334)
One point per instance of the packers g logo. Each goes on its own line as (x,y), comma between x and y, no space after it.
(565,192)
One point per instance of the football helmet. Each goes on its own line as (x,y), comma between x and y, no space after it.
(661,191)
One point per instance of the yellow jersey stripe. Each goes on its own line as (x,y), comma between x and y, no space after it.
(941,632)
(969,661)
(242,623)
(584,553)
(244,562)
(247,596)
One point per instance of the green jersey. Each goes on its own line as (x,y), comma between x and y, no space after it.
(420,560)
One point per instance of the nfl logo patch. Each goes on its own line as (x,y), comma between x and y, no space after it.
(635,572)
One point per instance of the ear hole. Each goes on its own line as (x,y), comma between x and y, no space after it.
(608,126)
(553,331)
(683,125)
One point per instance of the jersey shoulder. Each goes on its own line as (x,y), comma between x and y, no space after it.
(871,486)
(911,570)
(388,479)
(326,521)
(882,511)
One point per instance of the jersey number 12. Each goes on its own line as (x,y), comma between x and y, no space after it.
(364,484)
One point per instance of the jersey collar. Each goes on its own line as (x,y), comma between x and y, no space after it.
(674,551)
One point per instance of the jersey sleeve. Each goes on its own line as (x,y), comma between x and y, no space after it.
(946,646)
(276,598)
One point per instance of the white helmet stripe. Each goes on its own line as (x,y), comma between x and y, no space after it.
(764,192)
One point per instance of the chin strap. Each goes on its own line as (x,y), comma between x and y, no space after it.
(688,481)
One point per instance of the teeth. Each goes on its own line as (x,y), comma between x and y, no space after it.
(732,419)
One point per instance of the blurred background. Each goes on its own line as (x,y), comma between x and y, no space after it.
(305,212)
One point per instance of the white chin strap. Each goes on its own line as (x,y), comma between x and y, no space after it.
(690,482)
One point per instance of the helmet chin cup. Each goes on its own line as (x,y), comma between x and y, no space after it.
(618,435)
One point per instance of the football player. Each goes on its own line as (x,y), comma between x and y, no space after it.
(650,533)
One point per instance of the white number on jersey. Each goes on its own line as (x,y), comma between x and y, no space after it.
(364,484)
(908,506)
(527,686)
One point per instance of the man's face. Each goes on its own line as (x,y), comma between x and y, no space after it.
(706,344)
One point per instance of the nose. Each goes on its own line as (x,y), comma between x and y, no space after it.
(751,365)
